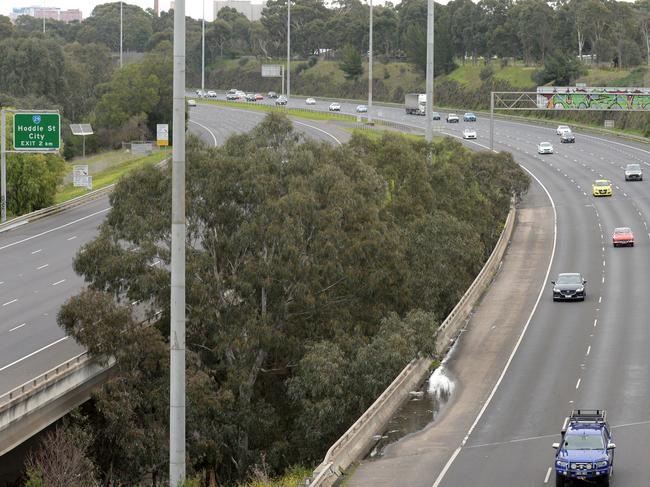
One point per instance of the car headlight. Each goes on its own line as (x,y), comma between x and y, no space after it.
(556,290)
(601,464)
(562,464)
(580,289)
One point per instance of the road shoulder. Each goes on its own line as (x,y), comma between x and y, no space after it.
(479,357)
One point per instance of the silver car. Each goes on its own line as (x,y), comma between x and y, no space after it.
(335,107)
(362,109)
(633,172)
(544,148)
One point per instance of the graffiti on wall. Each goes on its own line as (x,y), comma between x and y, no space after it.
(576,98)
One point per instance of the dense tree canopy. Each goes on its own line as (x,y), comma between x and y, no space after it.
(314,274)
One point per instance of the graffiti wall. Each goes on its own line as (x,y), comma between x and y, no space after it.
(573,98)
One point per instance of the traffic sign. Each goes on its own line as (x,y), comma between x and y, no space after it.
(80,176)
(35,132)
(162,130)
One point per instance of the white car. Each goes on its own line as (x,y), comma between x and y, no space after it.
(544,148)
(562,129)
(200,93)
(191,103)
(212,94)
(452,118)
(310,101)
(469,134)
(335,107)
(362,109)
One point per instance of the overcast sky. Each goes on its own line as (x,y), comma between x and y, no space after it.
(193,8)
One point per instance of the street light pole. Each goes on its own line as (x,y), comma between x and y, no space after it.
(288,49)
(370,68)
(121,3)
(177,309)
(429,79)
(203,53)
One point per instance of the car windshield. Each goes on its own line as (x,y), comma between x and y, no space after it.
(633,167)
(602,182)
(583,442)
(569,279)
(623,230)
(545,144)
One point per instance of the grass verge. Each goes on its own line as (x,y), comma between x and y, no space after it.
(108,176)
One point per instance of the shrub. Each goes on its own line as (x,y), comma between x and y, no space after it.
(242,61)
(312,61)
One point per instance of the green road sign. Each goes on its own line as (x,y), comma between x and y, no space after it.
(37,131)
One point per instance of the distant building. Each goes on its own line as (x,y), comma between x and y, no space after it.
(54,13)
(252,11)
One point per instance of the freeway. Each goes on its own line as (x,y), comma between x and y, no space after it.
(36,258)
(591,354)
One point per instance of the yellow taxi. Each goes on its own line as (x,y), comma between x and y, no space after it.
(602,187)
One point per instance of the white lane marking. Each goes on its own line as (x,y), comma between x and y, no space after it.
(18,242)
(596,322)
(16,327)
(603,279)
(214,138)
(72,238)
(457,451)
(566,420)
(37,251)
(588,351)
(10,302)
(320,130)
(58,282)
(2,282)
(603,263)
(33,353)
(578,383)
(42,267)
(548,475)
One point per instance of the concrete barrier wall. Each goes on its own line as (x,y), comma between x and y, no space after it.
(359,438)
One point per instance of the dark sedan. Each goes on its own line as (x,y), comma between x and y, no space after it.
(567,138)
(569,286)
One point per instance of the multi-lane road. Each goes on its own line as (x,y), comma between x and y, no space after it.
(591,354)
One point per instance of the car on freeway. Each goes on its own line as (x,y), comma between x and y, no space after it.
(469,133)
(545,148)
(633,172)
(562,128)
(211,94)
(435,116)
(271,94)
(569,286)
(310,101)
(258,96)
(567,138)
(362,109)
(281,100)
(251,97)
(335,107)
(191,103)
(452,118)
(602,187)
(231,96)
(623,236)
(469,117)
(585,452)
(200,93)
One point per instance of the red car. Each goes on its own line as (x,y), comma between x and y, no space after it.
(258,97)
(623,236)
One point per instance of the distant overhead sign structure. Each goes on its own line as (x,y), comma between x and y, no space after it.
(272,70)
(36,132)
(583,98)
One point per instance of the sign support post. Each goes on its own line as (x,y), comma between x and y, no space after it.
(3,176)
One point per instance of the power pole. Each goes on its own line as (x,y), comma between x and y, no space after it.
(203,53)
(370,68)
(429,80)
(288,50)
(121,4)
(177,311)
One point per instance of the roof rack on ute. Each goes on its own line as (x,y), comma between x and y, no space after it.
(588,416)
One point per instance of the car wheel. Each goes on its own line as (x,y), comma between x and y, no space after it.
(559,481)
(632,244)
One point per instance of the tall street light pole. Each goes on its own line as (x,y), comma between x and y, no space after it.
(288,49)
(429,79)
(121,32)
(370,68)
(177,310)
(203,52)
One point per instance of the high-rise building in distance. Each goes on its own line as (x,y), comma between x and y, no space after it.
(54,13)
(252,11)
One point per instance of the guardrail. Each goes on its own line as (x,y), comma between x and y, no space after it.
(356,441)
(18,394)
(66,205)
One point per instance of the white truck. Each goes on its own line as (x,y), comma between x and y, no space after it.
(415,104)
